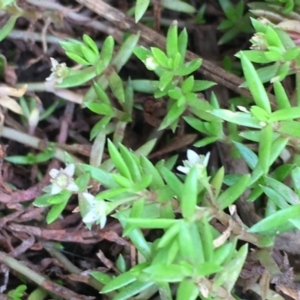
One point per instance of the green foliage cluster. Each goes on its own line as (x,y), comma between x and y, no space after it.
(190,259)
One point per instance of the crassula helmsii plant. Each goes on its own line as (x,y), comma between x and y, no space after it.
(191,254)
(191,258)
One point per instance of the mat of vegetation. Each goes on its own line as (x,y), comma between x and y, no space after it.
(149,149)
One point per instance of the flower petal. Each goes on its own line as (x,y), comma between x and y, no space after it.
(102,221)
(54,62)
(53,173)
(101,207)
(70,170)
(90,217)
(206,159)
(55,189)
(182,169)
(193,157)
(73,187)
(89,198)
(50,77)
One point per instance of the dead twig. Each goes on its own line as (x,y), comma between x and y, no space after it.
(39,279)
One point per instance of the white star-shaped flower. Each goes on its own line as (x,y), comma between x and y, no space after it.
(59,71)
(63,180)
(97,210)
(194,159)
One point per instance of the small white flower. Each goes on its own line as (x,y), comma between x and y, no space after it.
(97,210)
(151,63)
(194,159)
(59,71)
(63,180)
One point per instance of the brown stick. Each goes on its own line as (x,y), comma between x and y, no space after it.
(152,38)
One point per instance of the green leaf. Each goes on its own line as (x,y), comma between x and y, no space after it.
(116,85)
(125,51)
(201,85)
(165,79)
(175,93)
(88,54)
(285,114)
(107,50)
(289,195)
(283,71)
(277,147)
(140,8)
(233,192)
(77,77)
(169,235)
(148,168)
(78,58)
(187,244)
(100,175)
(121,263)
(71,45)
(189,67)
(173,114)
(8,27)
(122,181)
(101,277)
(90,42)
(151,223)
(295,173)
(291,54)
(259,114)
(20,159)
(118,282)
(100,108)
(142,53)
(115,194)
(182,44)
(172,40)
(143,184)
(217,181)
(177,5)
(240,118)
(118,160)
(206,233)
(223,253)
(255,85)
(132,163)
(129,97)
(160,57)
(187,289)
(132,289)
(276,220)
(172,180)
(290,128)
(189,194)
(42,201)
(273,38)
(55,212)
(275,197)
(63,196)
(247,154)
(281,96)
(231,270)
(264,149)
(170,273)
(188,84)
(101,94)
(256,56)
